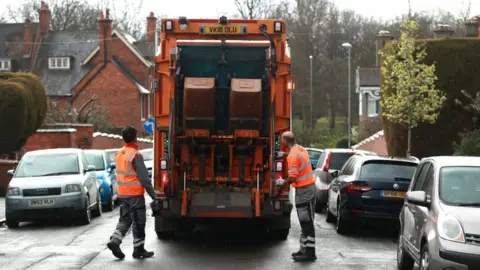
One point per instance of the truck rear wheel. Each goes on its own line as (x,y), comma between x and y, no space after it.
(165,235)
(166,227)
(280,235)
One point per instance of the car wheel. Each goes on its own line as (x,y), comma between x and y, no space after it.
(342,225)
(404,261)
(86,217)
(12,224)
(98,206)
(330,218)
(425,259)
(109,206)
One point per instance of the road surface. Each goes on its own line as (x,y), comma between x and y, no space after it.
(63,246)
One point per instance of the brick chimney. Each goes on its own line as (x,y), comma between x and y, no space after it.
(27,37)
(105,35)
(443,31)
(151,27)
(45,18)
(383,38)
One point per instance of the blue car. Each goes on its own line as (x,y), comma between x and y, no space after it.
(314,154)
(106,176)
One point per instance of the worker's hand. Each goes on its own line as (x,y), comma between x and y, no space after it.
(280,182)
(155,208)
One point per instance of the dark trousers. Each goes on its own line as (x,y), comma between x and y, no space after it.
(132,215)
(306,216)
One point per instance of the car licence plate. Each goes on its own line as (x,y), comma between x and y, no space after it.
(41,202)
(393,194)
(223,30)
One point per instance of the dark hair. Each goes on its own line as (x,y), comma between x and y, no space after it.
(129,134)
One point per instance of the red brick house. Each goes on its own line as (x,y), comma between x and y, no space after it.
(106,66)
(17,45)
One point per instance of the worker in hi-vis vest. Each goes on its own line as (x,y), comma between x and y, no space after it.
(300,175)
(132,181)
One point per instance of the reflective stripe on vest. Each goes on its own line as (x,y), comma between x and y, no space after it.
(127,179)
(306,175)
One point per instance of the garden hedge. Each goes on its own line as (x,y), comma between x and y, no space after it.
(457,62)
(14,114)
(35,108)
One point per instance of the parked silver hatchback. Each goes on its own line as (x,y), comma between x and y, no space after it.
(52,183)
(440,221)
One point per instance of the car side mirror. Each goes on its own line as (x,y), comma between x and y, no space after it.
(10,172)
(90,168)
(313,167)
(334,174)
(418,198)
(113,166)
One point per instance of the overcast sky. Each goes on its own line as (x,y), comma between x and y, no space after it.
(384,9)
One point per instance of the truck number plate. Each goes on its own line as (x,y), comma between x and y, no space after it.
(223,30)
(41,202)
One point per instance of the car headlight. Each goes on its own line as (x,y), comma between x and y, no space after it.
(13,191)
(72,188)
(449,228)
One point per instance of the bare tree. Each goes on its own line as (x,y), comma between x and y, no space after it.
(125,15)
(66,14)
(255,9)
(90,112)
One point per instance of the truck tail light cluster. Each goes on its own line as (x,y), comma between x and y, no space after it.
(327,162)
(279,166)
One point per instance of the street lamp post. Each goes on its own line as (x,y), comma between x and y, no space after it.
(348,46)
(311,91)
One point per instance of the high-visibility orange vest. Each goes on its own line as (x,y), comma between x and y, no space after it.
(299,168)
(127,179)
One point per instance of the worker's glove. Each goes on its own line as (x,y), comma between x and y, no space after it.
(280,182)
(156,210)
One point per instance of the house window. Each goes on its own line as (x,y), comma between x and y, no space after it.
(5,65)
(59,63)
(373,106)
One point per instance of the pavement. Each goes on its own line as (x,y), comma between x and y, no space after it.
(2,211)
(60,245)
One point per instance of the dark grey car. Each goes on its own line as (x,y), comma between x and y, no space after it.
(440,220)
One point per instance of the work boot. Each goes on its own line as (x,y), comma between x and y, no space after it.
(140,252)
(308,256)
(115,248)
(299,252)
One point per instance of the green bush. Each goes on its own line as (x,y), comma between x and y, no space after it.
(35,86)
(13,112)
(469,144)
(457,62)
(343,143)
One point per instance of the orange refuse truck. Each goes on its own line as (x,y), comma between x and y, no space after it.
(222,99)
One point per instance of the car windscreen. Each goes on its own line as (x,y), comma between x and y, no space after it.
(460,185)
(314,154)
(337,160)
(388,170)
(47,165)
(147,154)
(111,156)
(96,159)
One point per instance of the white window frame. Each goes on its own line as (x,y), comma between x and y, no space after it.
(372,102)
(59,63)
(5,64)
(142,104)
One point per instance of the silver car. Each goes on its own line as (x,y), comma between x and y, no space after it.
(440,220)
(52,183)
(148,159)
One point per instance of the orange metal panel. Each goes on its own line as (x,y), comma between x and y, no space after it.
(204,133)
(245,133)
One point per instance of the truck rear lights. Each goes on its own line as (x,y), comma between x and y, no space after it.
(354,188)
(276,205)
(164,204)
(279,166)
(291,86)
(169,26)
(278,27)
(163,164)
